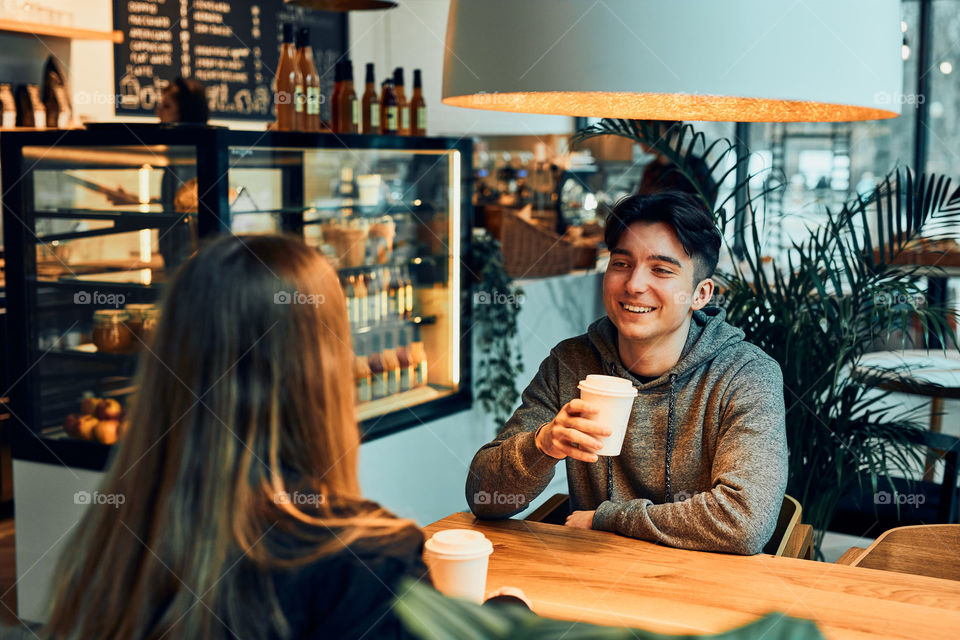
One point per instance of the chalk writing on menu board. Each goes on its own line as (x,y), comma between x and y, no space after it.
(231,46)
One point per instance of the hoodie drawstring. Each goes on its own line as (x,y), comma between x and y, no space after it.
(671,412)
(668,455)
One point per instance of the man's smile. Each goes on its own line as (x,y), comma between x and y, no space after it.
(636,309)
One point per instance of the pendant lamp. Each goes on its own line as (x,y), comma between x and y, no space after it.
(729,60)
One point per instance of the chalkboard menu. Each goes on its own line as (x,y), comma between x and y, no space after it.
(232,46)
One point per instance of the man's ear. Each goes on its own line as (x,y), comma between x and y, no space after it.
(702,294)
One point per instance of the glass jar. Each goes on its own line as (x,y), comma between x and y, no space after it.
(151,319)
(142,322)
(110,331)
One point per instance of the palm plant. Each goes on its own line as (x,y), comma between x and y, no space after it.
(824,303)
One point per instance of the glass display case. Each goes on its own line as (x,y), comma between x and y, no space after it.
(96,221)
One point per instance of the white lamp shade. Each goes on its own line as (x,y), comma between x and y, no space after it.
(729,60)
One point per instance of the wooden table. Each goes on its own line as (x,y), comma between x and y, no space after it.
(603,578)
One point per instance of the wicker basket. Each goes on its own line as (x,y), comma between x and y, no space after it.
(532,252)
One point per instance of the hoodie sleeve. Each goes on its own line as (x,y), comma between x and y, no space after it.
(508,473)
(749,476)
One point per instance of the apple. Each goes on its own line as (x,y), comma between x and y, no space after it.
(107,431)
(71,424)
(109,409)
(89,405)
(86,427)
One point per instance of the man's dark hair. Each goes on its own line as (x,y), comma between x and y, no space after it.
(191,100)
(689,219)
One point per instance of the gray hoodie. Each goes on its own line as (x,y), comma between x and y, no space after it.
(704,462)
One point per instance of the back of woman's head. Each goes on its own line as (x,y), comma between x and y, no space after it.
(245,397)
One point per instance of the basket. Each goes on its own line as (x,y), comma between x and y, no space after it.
(532,252)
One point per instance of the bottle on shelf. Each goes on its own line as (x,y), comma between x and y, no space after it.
(418,107)
(310,112)
(289,84)
(408,293)
(347,107)
(371,105)
(378,375)
(419,357)
(350,293)
(8,107)
(388,110)
(408,373)
(391,365)
(403,128)
(397,293)
(335,96)
(384,295)
(30,109)
(362,375)
(361,310)
(375,314)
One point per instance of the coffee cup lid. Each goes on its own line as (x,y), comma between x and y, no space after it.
(459,542)
(608,385)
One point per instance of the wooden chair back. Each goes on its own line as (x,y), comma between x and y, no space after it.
(927,550)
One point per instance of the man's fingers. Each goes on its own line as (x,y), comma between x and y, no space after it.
(580,407)
(581,440)
(584,425)
(577,454)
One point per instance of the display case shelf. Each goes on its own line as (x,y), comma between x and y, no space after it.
(275,182)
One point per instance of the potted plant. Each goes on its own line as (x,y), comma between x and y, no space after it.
(819,307)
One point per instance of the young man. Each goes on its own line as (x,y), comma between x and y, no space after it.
(704,462)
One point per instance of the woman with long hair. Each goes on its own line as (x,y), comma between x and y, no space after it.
(241,514)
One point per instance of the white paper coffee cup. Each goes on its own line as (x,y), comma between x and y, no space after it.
(458,559)
(613,398)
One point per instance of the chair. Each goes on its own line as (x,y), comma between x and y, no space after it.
(927,550)
(790,538)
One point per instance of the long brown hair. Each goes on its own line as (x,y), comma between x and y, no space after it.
(244,398)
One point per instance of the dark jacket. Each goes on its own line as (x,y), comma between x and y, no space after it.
(348,594)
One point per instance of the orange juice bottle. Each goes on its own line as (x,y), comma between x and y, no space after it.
(403,107)
(288,97)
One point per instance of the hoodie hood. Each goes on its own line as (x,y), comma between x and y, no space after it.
(709,335)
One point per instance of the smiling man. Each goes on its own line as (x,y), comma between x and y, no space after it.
(704,462)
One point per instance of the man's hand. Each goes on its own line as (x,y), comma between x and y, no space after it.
(580,520)
(572,433)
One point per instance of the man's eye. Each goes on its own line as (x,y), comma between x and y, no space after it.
(663,270)
(620,264)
